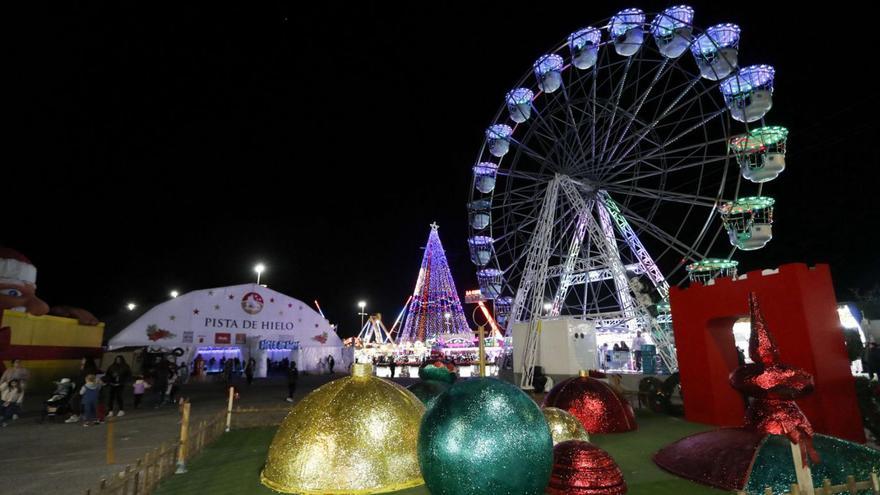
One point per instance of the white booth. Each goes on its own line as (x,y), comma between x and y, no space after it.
(566,346)
(243,322)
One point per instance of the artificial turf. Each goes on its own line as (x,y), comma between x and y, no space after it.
(233,463)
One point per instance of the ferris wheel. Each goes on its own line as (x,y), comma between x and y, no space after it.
(613,168)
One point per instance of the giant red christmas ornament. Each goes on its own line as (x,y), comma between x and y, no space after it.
(581,468)
(594,403)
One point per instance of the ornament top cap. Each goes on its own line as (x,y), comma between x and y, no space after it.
(361,370)
(583,373)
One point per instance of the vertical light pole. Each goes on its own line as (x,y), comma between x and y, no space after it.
(362,305)
(447,315)
(259,268)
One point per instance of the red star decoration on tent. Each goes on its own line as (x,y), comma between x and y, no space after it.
(271,300)
(195,311)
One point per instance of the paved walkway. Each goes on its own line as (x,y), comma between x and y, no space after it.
(68,458)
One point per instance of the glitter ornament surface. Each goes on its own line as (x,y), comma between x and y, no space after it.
(354,435)
(485,436)
(840,458)
(581,468)
(594,403)
(564,426)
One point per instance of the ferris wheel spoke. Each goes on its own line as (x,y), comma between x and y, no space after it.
(531,153)
(661,235)
(675,197)
(661,71)
(671,153)
(671,169)
(669,111)
(704,121)
(616,105)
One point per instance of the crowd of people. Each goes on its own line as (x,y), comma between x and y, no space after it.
(610,357)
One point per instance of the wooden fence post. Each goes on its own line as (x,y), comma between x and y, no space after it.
(803,473)
(184,439)
(229,408)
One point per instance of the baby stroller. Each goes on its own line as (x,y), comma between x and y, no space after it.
(59,402)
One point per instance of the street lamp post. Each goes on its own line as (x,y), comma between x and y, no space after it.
(362,305)
(259,268)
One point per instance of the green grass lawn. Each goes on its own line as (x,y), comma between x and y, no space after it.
(232,464)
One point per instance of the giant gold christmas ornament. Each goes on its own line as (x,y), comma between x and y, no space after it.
(354,435)
(564,426)
(484,436)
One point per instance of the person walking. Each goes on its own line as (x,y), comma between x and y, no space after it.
(637,344)
(227,373)
(392,366)
(140,386)
(90,393)
(249,370)
(292,378)
(160,382)
(330,362)
(874,361)
(116,377)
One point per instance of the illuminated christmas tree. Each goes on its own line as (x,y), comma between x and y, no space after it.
(435,308)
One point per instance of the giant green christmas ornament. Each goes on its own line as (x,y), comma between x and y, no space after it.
(485,436)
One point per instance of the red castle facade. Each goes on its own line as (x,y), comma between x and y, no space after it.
(799,305)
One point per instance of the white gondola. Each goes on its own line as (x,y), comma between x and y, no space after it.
(709,269)
(548,71)
(584,46)
(484,176)
(749,93)
(672,30)
(627,31)
(519,104)
(481,249)
(490,280)
(479,212)
(717,51)
(761,153)
(502,308)
(748,221)
(498,139)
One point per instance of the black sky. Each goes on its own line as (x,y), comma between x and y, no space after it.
(171,148)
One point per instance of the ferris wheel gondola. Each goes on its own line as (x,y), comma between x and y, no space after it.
(611,160)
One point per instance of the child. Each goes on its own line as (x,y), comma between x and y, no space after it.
(90,392)
(11,396)
(140,385)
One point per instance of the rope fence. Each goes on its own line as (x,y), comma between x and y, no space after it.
(145,474)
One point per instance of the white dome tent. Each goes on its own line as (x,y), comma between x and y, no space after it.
(246,321)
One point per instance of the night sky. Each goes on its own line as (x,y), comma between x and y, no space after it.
(173,149)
